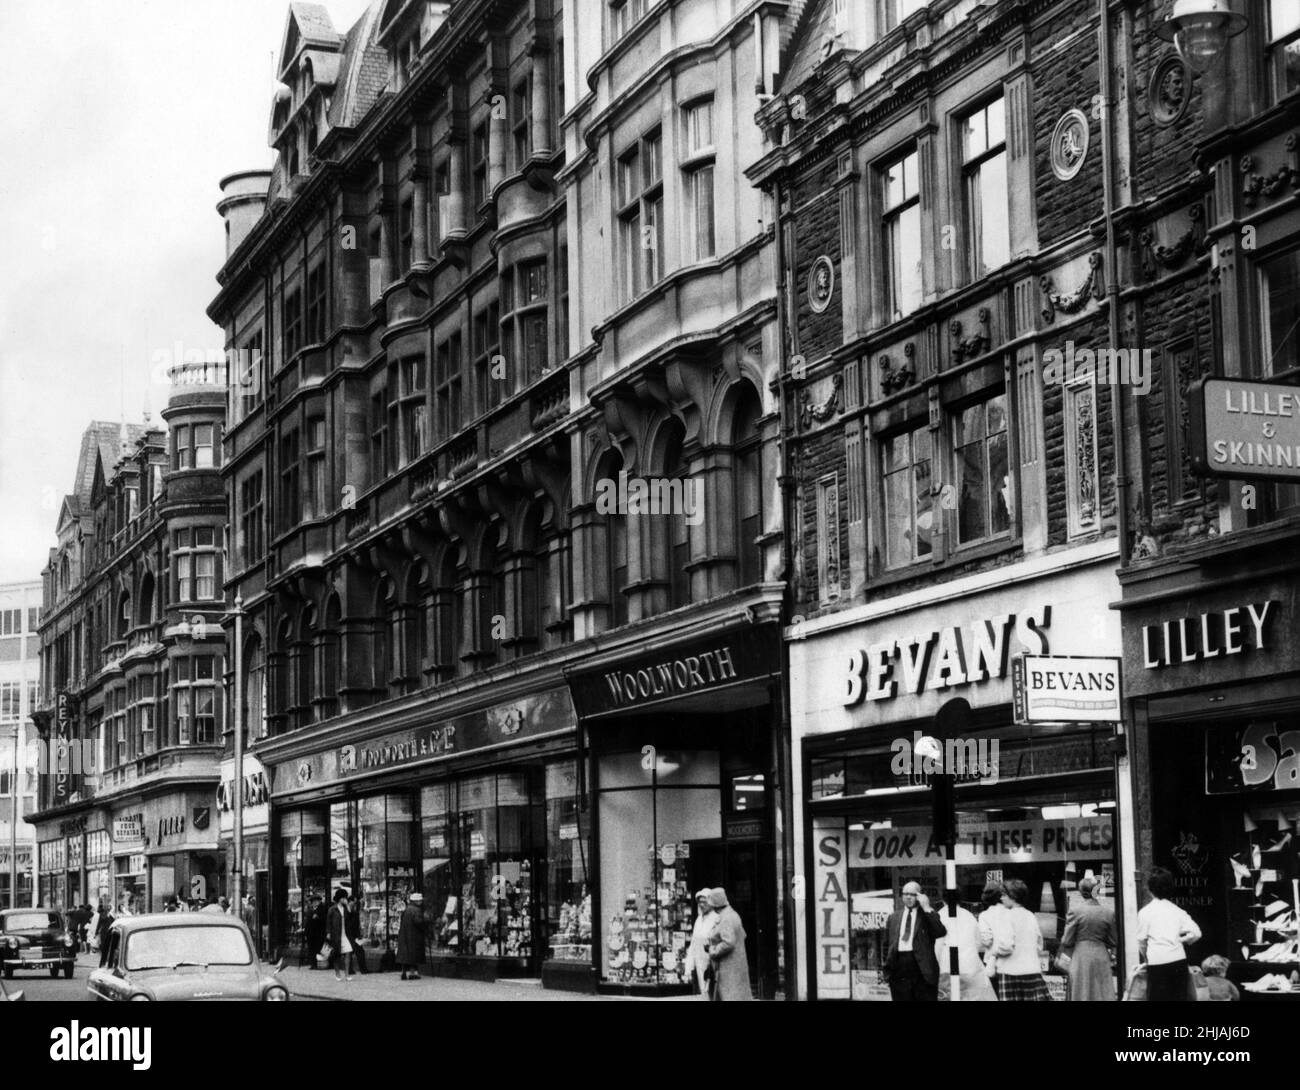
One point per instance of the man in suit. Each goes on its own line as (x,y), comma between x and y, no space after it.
(911,970)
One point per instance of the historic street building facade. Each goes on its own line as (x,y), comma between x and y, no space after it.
(466,669)
(1210,214)
(130,705)
(938,176)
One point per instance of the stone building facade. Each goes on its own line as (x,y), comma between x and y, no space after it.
(467,670)
(131,701)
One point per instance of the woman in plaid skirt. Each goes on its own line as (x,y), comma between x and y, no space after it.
(1019,971)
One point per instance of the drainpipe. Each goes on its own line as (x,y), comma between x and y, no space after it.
(1125,810)
(1112,278)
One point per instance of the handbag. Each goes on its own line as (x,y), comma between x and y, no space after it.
(326,952)
(1062,962)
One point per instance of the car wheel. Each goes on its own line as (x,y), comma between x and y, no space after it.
(54,972)
(67,971)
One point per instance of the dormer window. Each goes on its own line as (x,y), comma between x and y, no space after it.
(407,53)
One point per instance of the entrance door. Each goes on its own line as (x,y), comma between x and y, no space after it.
(746,870)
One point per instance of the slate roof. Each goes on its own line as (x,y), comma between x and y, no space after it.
(815,24)
(101,442)
(364,71)
(314,23)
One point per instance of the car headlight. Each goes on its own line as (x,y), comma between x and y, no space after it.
(276,994)
(141,997)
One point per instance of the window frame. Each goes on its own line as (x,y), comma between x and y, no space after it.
(448,387)
(698,161)
(485,343)
(290,469)
(252,500)
(521,125)
(291,311)
(972,170)
(640,199)
(951,414)
(317,494)
(1275,49)
(911,429)
(892,218)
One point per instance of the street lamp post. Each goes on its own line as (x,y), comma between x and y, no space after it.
(13,826)
(237,804)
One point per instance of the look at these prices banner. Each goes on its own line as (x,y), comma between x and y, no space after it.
(1244,428)
(1066,689)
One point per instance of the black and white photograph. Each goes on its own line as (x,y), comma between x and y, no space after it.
(651,502)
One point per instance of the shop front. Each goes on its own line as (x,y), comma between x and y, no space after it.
(681,739)
(165,846)
(255,783)
(479,812)
(1212,659)
(1038,797)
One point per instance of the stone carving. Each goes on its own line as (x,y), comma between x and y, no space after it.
(1093,287)
(974,345)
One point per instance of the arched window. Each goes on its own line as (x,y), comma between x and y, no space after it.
(748,489)
(494,625)
(388,638)
(144,608)
(331,658)
(615,542)
(253,711)
(283,678)
(676,542)
(307,667)
(420,621)
(448,619)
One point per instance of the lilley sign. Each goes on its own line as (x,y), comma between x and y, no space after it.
(1244,428)
(944,659)
(1222,632)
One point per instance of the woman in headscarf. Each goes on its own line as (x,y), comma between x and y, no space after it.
(697,954)
(1089,938)
(727,951)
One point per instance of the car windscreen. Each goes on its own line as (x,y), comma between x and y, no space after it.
(167,947)
(31,921)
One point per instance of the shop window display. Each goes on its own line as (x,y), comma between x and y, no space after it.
(653,807)
(387,870)
(568,895)
(478,865)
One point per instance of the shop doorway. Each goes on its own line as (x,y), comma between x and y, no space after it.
(745,869)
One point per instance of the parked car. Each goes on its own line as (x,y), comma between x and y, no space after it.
(183,956)
(35,938)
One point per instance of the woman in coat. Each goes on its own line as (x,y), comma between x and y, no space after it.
(1090,937)
(727,951)
(697,954)
(336,934)
(1020,975)
(410,937)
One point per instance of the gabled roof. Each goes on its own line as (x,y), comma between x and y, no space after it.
(306,25)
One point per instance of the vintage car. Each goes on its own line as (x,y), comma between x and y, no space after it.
(35,938)
(183,956)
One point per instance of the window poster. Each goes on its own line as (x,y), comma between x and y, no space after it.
(831,908)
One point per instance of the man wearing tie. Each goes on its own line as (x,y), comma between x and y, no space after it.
(911,970)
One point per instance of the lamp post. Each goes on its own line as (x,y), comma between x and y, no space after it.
(13,826)
(950,721)
(237,804)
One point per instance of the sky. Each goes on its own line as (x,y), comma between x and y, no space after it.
(119,119)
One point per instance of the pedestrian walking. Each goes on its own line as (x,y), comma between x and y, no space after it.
(1019,949)
(102,925)
(340,949)
(213,907)
(963,932)
(727,951)
(697,953)
(1164,930)
(910,968)
(354,934)
(410,937)
(1087,946)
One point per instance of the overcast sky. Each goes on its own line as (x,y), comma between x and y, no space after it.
(119,118)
